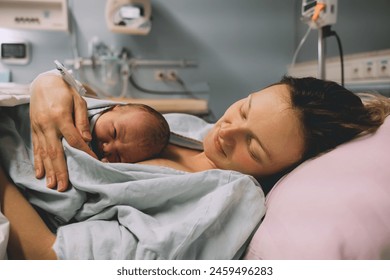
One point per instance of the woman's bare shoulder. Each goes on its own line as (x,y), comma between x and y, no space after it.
(175,157)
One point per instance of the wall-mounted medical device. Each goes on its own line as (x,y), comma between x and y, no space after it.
(15,52)
(129,16)
(319,13)
(34,14)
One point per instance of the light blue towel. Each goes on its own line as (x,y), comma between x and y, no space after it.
(134,211)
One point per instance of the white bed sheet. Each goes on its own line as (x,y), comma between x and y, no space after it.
(12,94)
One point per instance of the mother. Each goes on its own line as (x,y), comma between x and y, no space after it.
(263,135)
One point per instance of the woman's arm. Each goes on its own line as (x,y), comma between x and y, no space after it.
(29,236)
(56,111)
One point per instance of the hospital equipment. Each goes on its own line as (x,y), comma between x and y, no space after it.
(34,14)
(91,72)
(15,52)
(68,77)
(129,16)
(320,15)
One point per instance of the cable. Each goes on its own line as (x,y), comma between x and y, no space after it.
(328,33)
(137,86)
(300,46)
(341,57)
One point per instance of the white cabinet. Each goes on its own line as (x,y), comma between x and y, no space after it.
(34,14)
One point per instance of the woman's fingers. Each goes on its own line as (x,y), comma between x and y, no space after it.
(49,157)
(38,163)
(55,164)
(74,139)
(77,131)
(81,118)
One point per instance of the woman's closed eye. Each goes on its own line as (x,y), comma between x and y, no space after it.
(252,149)
(245,107)
(243,113)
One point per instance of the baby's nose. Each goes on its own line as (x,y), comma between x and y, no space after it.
(106,147)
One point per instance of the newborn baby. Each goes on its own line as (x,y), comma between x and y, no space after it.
(129,133)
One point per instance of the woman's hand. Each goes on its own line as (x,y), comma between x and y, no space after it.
(56,111)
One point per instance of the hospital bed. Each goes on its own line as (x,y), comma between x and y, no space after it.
(335,206)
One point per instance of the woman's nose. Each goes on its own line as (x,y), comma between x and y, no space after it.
(230,133)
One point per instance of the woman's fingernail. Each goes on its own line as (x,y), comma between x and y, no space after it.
(60,186)
(49,181)
(87,135)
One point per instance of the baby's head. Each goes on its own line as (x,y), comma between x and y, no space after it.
(130,133)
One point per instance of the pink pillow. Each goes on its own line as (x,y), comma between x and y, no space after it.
(336,206)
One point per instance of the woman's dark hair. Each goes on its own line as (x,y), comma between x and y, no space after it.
(331,114)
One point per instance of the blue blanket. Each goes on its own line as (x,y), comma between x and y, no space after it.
(134,211)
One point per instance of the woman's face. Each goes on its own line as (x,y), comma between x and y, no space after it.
(259,135)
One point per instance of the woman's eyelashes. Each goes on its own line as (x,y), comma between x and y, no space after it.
(242,112)
(252,149)
(250,139)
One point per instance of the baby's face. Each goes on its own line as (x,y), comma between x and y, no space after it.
(119,136)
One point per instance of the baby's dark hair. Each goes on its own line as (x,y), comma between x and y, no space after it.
(157,138)
(331,114)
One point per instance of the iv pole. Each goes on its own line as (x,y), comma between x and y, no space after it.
(321,54)
(320,14)
(321,40)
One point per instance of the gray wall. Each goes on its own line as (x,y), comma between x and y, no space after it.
(240,46)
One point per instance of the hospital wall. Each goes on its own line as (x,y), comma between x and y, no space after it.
(240,46)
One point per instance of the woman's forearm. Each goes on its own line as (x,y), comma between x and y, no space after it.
(29,237)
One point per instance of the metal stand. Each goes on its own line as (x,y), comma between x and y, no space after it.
(321,54)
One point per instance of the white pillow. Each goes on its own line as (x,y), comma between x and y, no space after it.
(336,206)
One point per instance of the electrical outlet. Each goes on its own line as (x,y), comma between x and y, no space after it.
(165,75)
(159,75)
(355,71)
(369,69)
(383,68)
(171,75)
